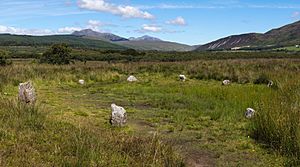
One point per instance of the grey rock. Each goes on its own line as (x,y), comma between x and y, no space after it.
(270,84)
(249,113)
(81,82)
(132,78)
(118,116)
(182,77)
(226,82)
(27,93)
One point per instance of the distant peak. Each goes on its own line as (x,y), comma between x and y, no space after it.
(88,30)
(145,38)
(85,32)
(98,35)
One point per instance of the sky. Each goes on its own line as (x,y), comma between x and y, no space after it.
(191,22)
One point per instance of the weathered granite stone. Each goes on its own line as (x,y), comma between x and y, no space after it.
(131,78)
(249,113)
(226,82)
(182,77)
(81,82)
(118,116)
(270,84)
(27,93)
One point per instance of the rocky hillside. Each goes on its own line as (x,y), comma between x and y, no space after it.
(283,36)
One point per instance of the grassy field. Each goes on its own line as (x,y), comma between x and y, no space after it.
(290,48)
(171,123)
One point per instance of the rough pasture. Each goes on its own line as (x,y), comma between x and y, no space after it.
(170,123)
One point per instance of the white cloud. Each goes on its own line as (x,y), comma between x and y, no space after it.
(22,31)
(94,25)
(91,24)
(295,14)
(177,21)
(151,28)
(66,30)
(124,11)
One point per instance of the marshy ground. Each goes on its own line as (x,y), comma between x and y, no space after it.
(170,123)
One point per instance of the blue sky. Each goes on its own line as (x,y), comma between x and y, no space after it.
(187,21)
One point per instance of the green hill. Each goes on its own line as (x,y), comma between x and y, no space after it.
(288,35)
(73,41)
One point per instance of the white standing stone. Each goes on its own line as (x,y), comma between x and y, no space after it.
(27,93)
(182,77)
(249,113)
(270,84)
(226,82)
(118,116)
(81,82)
(131,78)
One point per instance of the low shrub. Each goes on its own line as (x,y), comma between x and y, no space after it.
(58,54)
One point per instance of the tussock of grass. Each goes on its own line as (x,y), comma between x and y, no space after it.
(278,120)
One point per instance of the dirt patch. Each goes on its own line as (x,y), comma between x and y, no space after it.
(200,158)
(192,157)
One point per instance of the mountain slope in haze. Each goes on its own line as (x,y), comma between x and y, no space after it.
(152,43)
(145,38)
(73,41)
(284,36)
(141,43)
(88,33)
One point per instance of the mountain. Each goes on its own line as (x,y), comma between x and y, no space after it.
(73,41)
(284,36)
(235,41)
(152,43)
(141,43)
(145,38)
(88,33)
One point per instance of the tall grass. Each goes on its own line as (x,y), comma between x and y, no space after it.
(278,119)
(277,122)
(29,138)
(241,71)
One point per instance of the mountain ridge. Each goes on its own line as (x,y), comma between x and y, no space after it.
(73,41)
(282,36)
(89,33)
(145,42)
(144,38)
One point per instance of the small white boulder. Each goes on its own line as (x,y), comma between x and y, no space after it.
(27,93)
(131,78)
(182,77)
(249,113)
(226,82)
(81,82)
(118,116)
(270,84)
